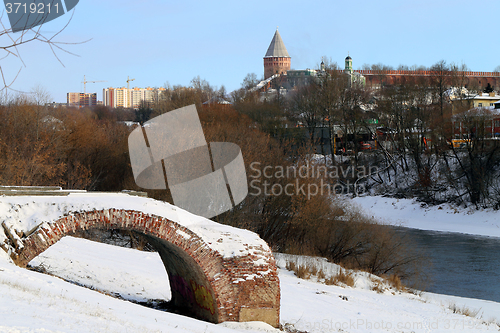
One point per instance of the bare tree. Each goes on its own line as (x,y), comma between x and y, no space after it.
(11,41)
(352,116)
(479,157)
(330,86)
(303,107)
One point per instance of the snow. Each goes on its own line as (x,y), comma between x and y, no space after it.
(34,302)
(332,309)
(24,213)
(263,83)
(71,260)
(446,218)
(183,234)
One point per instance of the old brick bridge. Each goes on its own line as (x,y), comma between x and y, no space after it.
(216,272)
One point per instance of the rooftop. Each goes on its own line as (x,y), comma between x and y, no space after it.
(277,47)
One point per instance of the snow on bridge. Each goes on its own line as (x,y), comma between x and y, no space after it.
(216,272)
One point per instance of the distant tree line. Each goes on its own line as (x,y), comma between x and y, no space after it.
(87,149)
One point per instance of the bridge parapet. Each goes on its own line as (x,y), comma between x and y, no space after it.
(51,191)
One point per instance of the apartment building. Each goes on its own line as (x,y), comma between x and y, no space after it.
(80,100)
(130,98)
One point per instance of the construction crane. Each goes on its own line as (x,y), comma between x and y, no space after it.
(128,81)
(85,84)
(128,90)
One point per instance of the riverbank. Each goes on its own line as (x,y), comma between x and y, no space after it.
(444,218)
(34,302)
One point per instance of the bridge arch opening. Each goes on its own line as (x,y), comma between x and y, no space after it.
(191,290)
(175,296)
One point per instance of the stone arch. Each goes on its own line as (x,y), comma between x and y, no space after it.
(211,286)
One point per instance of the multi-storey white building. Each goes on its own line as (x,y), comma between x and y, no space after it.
(130,98)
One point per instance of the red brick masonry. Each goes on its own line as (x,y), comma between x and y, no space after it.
(240,288)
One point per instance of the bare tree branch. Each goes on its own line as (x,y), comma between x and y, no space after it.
(10,42)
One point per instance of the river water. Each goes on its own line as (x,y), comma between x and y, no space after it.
(460,264)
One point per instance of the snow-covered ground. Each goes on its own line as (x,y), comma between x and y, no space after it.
(34,302)
(412,214)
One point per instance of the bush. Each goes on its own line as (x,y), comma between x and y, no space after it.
(346,237)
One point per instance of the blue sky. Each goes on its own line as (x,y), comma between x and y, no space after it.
(157,41)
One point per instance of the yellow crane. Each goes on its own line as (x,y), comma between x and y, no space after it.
(128,81)
(85,84)
(128,90)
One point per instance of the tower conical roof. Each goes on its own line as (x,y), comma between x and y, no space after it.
(277,47)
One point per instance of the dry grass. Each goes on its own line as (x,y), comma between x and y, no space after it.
(392,281)
(330,281)
(303,272)
(463,310)
(290,265)
(343,277)
(377,285)
(395,282)
(290,328)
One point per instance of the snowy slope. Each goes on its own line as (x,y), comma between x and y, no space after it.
(34,302)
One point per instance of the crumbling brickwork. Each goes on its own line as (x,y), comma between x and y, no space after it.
(209,286)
